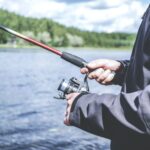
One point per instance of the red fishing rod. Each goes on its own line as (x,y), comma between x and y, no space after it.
(64,55)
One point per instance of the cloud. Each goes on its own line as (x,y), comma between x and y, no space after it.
(71,1)
(92,15)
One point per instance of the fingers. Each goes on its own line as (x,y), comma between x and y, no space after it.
(84,70)
(95,74)
(102,76)
(100,63)
(106,78)
(109,78)
(70,98)
(67,114)
(102,70)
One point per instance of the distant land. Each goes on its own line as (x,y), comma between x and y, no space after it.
(57,35)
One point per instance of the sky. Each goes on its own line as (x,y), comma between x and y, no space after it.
(92,15)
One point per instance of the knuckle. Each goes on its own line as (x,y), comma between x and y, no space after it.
(108,80)
(82,71)
(102,77)
(98,72)
(99,80)
(91,75)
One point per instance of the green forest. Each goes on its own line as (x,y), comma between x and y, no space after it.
(55,34)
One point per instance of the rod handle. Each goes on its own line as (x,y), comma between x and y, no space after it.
(74,59)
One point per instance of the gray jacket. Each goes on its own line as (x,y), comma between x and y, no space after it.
(123,118)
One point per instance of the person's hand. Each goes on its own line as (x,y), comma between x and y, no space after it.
(102,70)
(70,98)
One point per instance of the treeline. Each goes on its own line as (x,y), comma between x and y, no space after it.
(55,34)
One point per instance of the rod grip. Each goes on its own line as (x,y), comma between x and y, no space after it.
(74,59)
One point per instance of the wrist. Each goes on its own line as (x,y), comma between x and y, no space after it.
(120,66)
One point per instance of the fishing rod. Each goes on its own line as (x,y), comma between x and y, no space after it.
(65,87)
(77,61)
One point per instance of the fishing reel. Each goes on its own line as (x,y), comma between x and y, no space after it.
(72,85)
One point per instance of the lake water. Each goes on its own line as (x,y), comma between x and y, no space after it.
(30,118)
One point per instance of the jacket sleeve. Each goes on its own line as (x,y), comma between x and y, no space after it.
(120,75)
(111,115)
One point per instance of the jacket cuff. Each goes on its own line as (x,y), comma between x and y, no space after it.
(120,75)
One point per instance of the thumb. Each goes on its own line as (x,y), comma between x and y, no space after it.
(100,63)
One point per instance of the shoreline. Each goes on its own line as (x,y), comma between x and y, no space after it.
(4,47)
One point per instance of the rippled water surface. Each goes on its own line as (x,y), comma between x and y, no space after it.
(30,118)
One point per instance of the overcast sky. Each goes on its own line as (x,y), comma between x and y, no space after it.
(92,15)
